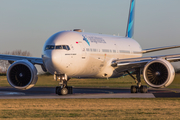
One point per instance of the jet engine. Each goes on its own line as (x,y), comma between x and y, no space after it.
(22,75)
(158,73)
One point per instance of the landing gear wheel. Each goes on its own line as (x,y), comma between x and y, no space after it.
(143,89)
(61,91)
(58,90)
(133,89)
(70,89)
(64,91)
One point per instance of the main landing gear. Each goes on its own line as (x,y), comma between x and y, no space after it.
(63,89)
(139,88)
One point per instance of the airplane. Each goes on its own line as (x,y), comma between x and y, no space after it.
(78,54)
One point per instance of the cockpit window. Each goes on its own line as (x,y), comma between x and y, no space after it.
(67,47)
(50,47)
(64,47)
(59,47)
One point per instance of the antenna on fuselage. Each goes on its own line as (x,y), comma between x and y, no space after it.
(130,24)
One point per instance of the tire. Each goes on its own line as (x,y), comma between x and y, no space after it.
(70,89)
(143,89)
(64,91)
(58,90)
(133,89)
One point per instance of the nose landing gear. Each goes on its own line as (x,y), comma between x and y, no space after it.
(63,89)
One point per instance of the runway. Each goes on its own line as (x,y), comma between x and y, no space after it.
(49,93)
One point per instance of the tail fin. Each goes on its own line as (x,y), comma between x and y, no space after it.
(130,24)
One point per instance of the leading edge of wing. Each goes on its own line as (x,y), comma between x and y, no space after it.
(159,48)
(33,60)
(132,63)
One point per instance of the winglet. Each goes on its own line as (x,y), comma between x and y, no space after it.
(130,24)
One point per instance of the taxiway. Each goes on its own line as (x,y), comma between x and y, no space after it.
(49,93)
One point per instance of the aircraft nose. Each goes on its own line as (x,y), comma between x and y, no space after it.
(52,60)
(55,58)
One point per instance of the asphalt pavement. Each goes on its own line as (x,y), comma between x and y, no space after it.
(49,93)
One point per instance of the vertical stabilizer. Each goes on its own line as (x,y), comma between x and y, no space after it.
(130,24)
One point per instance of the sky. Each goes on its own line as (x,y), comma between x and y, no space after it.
(27,24)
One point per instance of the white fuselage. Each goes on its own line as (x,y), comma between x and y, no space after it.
(79,54)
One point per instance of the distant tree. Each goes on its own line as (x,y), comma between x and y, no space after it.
(4,64)
(20,53)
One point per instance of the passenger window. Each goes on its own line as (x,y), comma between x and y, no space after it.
(87,49)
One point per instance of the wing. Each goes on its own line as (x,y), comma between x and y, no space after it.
(122,65)
(159,48)
(33,60)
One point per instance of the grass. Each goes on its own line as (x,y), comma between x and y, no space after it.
(90,109)
(123,82)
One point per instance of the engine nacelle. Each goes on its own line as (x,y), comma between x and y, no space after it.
(158,73)
(22,75)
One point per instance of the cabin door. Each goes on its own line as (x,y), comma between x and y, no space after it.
(83,50)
